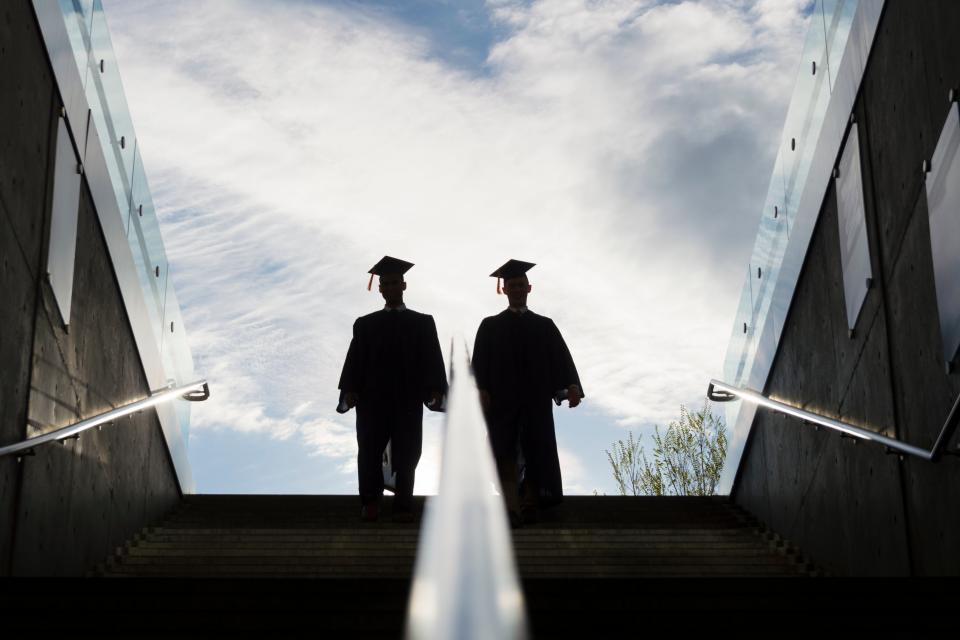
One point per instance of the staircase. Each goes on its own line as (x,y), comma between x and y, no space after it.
(322,537)
(585,556)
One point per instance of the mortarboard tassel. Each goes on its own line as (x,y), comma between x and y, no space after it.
(498,285)
(370,283)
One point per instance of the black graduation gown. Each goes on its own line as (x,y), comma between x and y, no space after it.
(394,363)
(523,362)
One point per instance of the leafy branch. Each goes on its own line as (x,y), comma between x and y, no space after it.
(687,458)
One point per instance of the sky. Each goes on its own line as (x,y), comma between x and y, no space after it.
(623,147)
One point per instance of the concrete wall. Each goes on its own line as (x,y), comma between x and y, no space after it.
(853,508)
(66,508)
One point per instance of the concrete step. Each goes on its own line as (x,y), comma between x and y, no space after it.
(530,548)
(568,576)
(374,530)
(389,557)
(322,536)
(254,571)
(587,563)
(385,531)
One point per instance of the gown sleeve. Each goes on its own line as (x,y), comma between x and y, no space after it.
(434,373)
(565,371)
(481,355)
(351,378)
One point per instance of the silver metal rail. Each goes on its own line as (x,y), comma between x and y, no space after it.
(194,392)
(722,392)
(465,582)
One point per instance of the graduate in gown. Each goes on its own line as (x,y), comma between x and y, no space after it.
(393,368)
(522,366)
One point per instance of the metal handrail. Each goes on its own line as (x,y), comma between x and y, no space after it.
(722,392)
(194,392)
(465,582)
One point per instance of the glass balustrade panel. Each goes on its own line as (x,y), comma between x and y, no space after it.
(149,257)
(838,22)
(176,355)
(808,106)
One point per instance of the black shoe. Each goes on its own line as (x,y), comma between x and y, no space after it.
(516,522)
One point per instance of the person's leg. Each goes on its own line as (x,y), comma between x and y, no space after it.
(407,448)
(530,493)
(371,441)
(529,501)
(503,429)
(530,481)
(403,498)
(507,471)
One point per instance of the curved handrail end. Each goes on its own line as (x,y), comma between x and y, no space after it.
(719,396)
(197,395)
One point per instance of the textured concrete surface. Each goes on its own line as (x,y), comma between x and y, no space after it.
(924,394)
(855,509)
(813,485)
(941,56)
(26,111)
(79,500)
(897,105)
(65,508)
(16,329)
(27,97)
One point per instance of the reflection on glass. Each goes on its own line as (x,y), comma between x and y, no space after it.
(776,201)
(740,336)
(943,199)
(738,348)
(852,218)
(770,247)
(177,359)
(150,259)
(141,202)
(808,106)
(838,21)
(776,303)
(77,15)
(109,107)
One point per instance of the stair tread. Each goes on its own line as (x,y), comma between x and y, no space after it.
(322,536)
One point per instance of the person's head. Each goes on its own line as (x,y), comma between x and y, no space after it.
(517,289)
(515,282)
(392,286)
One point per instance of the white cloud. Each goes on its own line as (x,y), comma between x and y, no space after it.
(575,479)
(325,437)
(623,146)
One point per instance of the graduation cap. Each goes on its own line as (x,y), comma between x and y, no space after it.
(387,267)
(511,269)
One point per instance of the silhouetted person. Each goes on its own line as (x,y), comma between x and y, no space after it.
(522,364)
(393,367)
